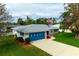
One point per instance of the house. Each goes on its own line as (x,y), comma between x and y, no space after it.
(34,31)
(55,28)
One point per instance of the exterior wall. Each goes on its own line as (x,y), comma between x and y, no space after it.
(46,35)
(51,32)
(14,32)
(18,34)
(25,36)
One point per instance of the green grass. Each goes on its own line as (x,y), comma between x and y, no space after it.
(9,47)
(67,38)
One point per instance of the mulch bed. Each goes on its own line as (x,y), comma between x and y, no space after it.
(25,43)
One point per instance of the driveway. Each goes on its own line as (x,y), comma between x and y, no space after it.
(56,48)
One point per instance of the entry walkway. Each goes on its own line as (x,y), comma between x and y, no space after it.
(56,48)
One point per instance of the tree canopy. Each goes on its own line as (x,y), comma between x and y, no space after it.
(29,20)
(71,17)
(4,14)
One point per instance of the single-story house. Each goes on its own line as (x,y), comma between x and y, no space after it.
(34,31)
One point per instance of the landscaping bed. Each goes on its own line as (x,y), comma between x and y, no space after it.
(67,38)
(10,47)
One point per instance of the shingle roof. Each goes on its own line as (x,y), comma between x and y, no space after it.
(32,28)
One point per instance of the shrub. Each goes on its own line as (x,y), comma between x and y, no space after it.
(20,39)
(27,40)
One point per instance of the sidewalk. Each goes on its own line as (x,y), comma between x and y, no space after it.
(56,48)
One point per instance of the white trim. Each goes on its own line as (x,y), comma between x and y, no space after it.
(46,35)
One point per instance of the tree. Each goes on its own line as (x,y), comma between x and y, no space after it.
(34,22)
(66,21)
(29,20)
(2,9)
(41,21)
(54,20)
(4,14)
(73,20)
(20,21)
(5,17)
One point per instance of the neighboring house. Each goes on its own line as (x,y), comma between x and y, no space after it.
(55,28)
(34,31)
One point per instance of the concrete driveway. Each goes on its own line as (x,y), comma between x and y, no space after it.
(56,48)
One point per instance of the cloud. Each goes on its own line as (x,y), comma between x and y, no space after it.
(27,13)
(16,14)
(36,9)
(43,14)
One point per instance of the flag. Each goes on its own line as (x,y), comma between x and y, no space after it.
(49,21)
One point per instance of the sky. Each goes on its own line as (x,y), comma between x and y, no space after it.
(35,10)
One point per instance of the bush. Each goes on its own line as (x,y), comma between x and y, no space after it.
(20,39)
(27,40)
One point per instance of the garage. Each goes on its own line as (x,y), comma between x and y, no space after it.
(37,36)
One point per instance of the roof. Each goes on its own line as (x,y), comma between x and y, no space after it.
(33,28)
(56,26)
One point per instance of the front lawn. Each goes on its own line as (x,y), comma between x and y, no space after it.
(9,47)
(67,38)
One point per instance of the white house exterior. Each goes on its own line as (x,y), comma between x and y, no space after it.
(34,31)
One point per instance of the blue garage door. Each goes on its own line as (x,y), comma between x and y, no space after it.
(37,36)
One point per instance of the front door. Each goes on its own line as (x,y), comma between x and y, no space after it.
(48,35)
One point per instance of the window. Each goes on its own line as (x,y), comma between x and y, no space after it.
(55,30)
(37,34)
(31,35)
(21,33)
(34,34)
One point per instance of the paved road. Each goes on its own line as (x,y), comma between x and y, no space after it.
(56,48)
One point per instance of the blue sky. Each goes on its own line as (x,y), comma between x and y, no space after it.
(35,10)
